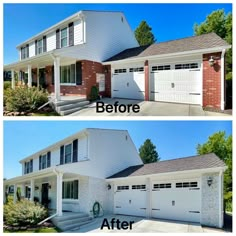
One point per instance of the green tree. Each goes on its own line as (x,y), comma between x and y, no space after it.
(144,35)
(221,145)
(148,152)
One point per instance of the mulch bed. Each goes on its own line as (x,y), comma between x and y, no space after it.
(27,227)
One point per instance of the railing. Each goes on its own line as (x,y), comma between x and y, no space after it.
(45,104)
(50,217)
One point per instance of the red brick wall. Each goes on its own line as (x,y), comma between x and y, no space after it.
(146,71)
(212,81)
(107,72)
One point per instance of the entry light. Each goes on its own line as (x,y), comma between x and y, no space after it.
(209,181)
(108,186)
(211,61)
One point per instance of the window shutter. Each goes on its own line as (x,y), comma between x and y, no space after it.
(62,155)
(71,34)
(57,38)
(52,74)
(21,53)
(40,162)
(76,189)
(36,48)
(44,44)
(72,73)
(75,150)
(78,73)
(31,166)
(48,159)
(27,50)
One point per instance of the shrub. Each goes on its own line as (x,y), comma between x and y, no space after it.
(94,93)
(7,85)
(24,99)
(23,213)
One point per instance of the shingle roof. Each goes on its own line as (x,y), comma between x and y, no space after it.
(204,41)
(181,164)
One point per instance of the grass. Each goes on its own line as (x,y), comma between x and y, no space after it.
(52,113)
(39,230)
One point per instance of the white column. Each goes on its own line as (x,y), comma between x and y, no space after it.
(59,193)
(23,190)
(12,79)
(222,86)
(32,190)
(15,190)
(221,208)
(29,76)
(57,78)
(19,78)
(148,197)
(4,193)
(37,76)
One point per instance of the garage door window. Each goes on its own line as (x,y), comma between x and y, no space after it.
(137,69)
(186,66)
(139,186)
(186,184)
(124,187)
(163,67)
(118,71)
(166,185)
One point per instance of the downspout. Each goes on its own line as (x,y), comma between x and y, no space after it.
(222,92)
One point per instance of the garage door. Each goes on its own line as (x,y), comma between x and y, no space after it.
(178,200)
(128,82)
(179,82)
(130,200)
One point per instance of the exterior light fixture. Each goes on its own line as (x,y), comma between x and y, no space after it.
(209,181)
(49,186)
(36,188)
(211,61)
(108,186)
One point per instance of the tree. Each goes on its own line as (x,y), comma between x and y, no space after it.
(144,35)
(148,152)
(221,145)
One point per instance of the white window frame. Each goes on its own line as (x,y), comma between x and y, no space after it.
(40,40)
(67,36)
(46,159)
(71,152)
(70,199)
(68,84)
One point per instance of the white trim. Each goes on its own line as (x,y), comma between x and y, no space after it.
(220,200)
(222,83)
(67,36)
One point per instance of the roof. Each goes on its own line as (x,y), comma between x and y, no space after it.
(204,41)
(181,164)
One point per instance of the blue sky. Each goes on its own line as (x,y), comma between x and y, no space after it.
(168,21)
(173,139)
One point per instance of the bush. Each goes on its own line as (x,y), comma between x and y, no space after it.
(7,85)
(24,99)
(94,93)
(23,213)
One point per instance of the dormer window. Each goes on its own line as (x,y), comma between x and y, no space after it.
(40,46)
(64,38)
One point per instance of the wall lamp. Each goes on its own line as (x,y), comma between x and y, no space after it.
(209,181)
(49,186)
(108,186)
(212,61)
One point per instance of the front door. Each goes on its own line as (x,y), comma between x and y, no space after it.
(42,79)
(44,199)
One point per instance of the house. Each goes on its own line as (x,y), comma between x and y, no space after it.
(101,165)
(99,48)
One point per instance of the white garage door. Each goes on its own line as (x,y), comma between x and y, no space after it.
(130,200)
(128,82)
(178,82)
(178,200)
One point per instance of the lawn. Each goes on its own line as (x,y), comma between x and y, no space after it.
(39,230)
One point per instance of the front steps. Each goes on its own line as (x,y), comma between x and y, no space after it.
(71,221)
(67,107)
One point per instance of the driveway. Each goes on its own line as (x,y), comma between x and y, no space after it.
(149,108)
(143,225)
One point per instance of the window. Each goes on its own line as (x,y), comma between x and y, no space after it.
(45,161)
(139,186)
(186,185)
(70,189)
(68,152)
(165,185)
(24,52)
(68,74)
(186,66)
(125,187)
(40,46)
(28,167)
(118,71)
(64,37)
(162,67)
(138,69)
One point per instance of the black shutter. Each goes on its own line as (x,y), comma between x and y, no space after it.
(72,73)
(76,189)
(36,51)
(44,44)
(75,150)
(78,73)
(48,159)
(21,53)
(27,50)
(52,74)
(71,34)
(62,155)
(31,166)
(57,38)
(40,162)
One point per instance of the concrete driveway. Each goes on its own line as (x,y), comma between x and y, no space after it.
(149,108)
(143,225)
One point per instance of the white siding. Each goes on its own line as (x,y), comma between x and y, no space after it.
(78,32)
(83,149)
(35,164)
(32,49)
(55,157)
(51,41)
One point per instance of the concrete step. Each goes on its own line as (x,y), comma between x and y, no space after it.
(72,105)
(70,111)
(69,216)
(74,220)
(74,226)
(66,102)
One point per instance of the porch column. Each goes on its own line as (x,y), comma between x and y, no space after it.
(57,78)
(15,190)
(23,190)
(59,193)
(29,76)
(12,79)
(19,77)
(32,190)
